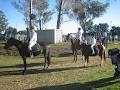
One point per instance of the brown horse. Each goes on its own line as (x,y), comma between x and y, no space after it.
(86,49)
(74,45)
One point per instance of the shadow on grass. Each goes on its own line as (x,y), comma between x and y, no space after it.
(21,65)
(68,53)
(86,86)
(65,54)
(37,71)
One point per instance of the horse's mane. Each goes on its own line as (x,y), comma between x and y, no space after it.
(18,41)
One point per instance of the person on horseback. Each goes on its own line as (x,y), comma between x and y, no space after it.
(79,35)
(92,41)
(32,39)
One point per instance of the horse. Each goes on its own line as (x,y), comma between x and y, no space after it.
(86,50)
(74,45)
(25,52)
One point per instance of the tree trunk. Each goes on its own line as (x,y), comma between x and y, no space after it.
(40,24)
(59,14)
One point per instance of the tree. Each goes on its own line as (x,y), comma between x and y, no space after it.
(23,7)
(39,8)
(43,15)
(115,31)
(62,6)
(103,27)
(10,32)
(3,22)
(85,11)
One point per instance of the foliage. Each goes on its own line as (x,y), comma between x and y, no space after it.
(43,15)
(23,7)
(102,27)
(39,8)
(3,22)
(10,32)
(115,30)
(85,11)
(62,7)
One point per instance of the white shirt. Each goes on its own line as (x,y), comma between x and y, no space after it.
(33,36)
(79,35)
(91,40)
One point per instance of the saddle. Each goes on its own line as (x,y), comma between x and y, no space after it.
(36,47)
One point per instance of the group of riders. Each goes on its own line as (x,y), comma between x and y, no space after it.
(88,39)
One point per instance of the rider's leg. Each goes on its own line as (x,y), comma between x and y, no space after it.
(30,48)
(93,52)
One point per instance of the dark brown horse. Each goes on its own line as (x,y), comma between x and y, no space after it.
(86,49)
(25,52)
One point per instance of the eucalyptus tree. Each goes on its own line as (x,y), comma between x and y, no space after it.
(82,11)
(3,22)
(62,7)
(85,11)
(39,11)
(10,32)
(43,15)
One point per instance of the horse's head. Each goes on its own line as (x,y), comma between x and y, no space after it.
(9,43)
(70,37)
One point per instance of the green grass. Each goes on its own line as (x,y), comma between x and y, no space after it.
(63,74)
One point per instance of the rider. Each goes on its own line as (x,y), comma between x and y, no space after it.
(92,41)
(32,38)
(103,37)
(79,34)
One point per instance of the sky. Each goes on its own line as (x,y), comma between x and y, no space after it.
(16,19)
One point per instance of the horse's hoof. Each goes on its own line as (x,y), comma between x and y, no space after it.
(23,73)
(101,65)
(85,66)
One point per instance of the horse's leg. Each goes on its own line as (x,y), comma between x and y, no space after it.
(86,61)
(104,56)
(101,57)
(25,65)
(75,55)
(48,60)
(45,61)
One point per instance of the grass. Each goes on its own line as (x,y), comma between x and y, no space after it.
(63,74)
